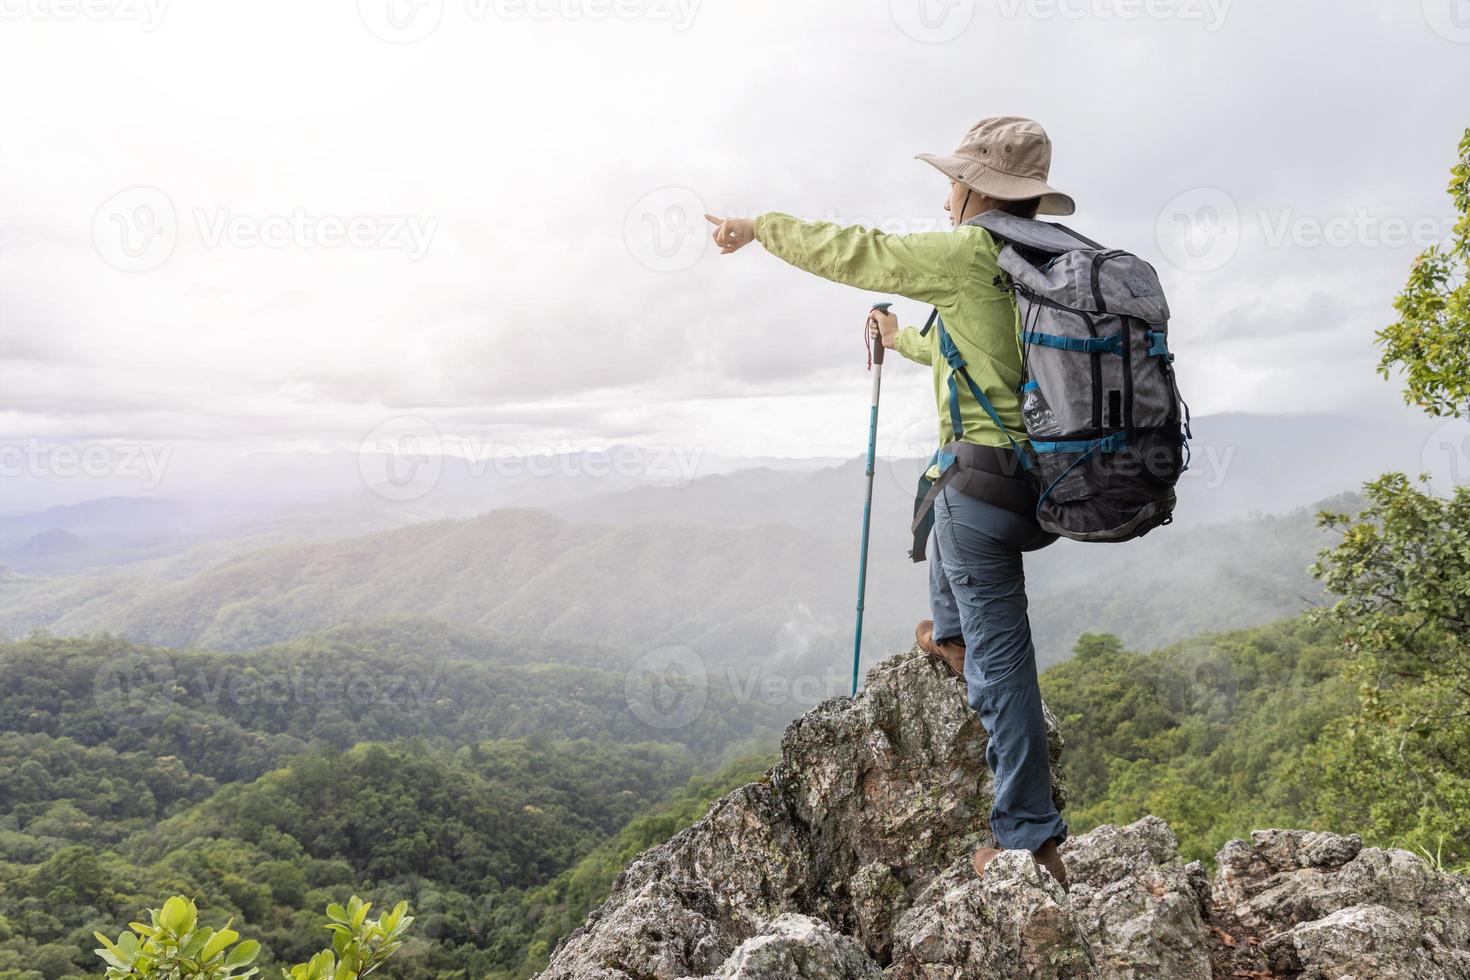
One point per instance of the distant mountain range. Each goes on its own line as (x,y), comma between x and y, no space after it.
(760,595)
(753,564)
(1244,465)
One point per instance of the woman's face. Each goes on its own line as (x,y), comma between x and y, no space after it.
(955,202)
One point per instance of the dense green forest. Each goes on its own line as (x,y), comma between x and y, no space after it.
(498,797)
(1218,736)
(501,845)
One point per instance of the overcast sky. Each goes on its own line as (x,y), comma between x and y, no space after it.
(280,224)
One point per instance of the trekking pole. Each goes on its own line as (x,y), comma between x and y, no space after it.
(876,349)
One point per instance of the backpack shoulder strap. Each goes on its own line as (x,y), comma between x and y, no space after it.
(1042,236)
(958,369)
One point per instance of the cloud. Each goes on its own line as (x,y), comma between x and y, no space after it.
(522,145)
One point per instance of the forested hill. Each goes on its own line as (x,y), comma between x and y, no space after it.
(407,761)
(731,594)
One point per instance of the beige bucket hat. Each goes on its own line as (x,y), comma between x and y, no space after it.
(1007,158)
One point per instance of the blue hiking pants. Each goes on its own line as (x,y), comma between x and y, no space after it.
(977,591)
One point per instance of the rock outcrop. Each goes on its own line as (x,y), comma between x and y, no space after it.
(1323,906)
(850,861)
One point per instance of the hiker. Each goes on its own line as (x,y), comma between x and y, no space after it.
(981,526)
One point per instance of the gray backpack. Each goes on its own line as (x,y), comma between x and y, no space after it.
(1108,428)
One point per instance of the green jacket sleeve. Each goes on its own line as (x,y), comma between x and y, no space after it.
(913,346)
(925,266)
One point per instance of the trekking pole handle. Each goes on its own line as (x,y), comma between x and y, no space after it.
(876,343)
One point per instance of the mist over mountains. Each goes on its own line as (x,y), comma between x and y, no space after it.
(754,564)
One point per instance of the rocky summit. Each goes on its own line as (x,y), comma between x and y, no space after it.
(851,860)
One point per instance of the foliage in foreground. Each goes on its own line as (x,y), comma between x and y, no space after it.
(1428,341)
(1403,572)
(174,946)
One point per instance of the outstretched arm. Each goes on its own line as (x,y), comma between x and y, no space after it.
(925,266)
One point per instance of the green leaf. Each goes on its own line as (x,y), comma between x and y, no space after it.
(178,915)
(360,914)
(243,954)
(337,913)
(113,959)
(217,943)
(196,942)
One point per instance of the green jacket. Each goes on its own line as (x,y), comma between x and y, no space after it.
(952,270)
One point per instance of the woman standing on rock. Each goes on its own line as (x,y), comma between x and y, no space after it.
(984,524)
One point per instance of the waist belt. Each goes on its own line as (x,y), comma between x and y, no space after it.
(993,474)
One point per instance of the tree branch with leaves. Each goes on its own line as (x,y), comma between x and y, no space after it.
(173,946)
(1430,342)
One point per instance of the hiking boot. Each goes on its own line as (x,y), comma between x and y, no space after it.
(951,652)
(1047,856)
(1050,858)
